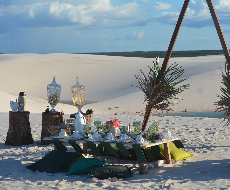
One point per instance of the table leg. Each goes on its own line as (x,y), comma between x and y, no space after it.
(85,147)
(141,168)
(167,153)
(58,144)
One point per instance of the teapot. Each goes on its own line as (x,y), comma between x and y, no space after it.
(79,121)
(14,106)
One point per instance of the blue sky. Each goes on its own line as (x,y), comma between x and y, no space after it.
(85,26)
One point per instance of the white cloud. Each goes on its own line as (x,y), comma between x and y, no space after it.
(167,18)
(223,10)
(193,2)
(227,30)
(78,34)
(138,34)
(87,14)
(91,14)
(224,3)
(197,16)
(135,35)
(160,6)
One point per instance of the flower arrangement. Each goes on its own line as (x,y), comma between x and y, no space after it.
(113,123)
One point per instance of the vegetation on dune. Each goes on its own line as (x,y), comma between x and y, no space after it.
(153,54)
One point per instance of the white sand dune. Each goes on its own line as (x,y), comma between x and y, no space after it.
(106,79)
(110,81)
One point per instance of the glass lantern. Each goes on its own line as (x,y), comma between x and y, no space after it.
(53,94)
(78,95)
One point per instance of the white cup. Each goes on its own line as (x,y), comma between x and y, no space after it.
(140,139)
(62,133)
(110,136)
(96,135)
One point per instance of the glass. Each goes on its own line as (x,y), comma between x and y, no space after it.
(153,129)
(124,129)
(106,128)
(86,128)
(71,127)
(97,124)
(53,94)
(137,127)
(78,95)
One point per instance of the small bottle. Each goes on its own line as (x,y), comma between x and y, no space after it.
(22,102)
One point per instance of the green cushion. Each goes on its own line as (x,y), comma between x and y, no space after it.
(84,166)
(176,154)
(54,161)
(75,160)
(104,172)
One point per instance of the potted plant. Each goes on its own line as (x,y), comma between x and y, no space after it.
(47,109)
(89,111)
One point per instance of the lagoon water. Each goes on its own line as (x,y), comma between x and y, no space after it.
(197,114)
(183,114)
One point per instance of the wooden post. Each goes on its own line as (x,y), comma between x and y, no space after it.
(174,36)
(19,132)
(85,147)
(219,30)
(167,153)
(49,119)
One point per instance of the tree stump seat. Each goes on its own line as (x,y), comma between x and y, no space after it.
(50,119)
(19,132)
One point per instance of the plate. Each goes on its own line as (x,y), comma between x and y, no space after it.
(93,140)
(72,137)
(109,140)
(125,141)
(60,137)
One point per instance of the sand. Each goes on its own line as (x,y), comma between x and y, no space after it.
(110,81)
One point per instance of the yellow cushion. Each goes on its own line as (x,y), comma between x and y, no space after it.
(176,154)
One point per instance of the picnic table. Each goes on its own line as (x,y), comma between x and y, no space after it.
(93,145)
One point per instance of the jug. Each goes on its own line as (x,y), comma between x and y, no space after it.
(14,106)
(79,121)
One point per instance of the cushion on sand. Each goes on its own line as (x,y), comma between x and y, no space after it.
(104,172)
(75,160)
(54,161)
(84,166)
(150,156)
(176,154)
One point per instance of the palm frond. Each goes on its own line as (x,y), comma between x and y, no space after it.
(168,79)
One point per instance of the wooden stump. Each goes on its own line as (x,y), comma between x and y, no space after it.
(48,119)
(19,132)
(87,117)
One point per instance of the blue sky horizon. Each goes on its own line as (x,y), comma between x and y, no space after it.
(90,26)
